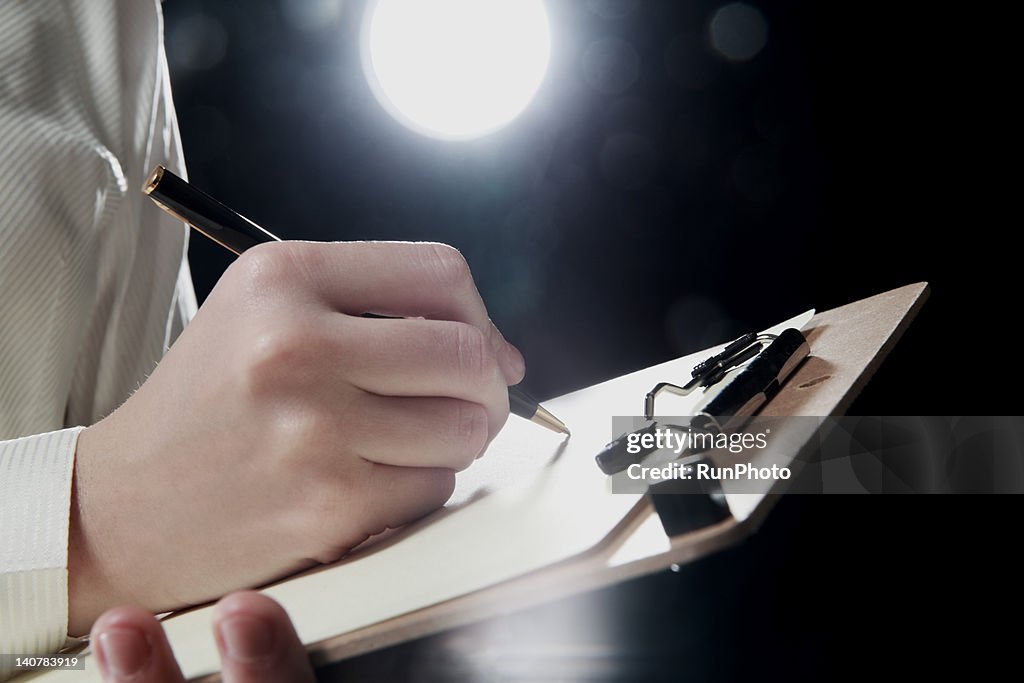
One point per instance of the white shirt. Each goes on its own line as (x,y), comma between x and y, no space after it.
(94,285)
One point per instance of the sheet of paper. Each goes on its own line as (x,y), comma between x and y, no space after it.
(534,499)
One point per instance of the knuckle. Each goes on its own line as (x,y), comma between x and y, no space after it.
(265,266)
(473,353)
(471,431)
(448,265)
(281,358)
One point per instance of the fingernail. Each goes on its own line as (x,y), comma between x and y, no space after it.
(246,637)
(123,651)
(515,363)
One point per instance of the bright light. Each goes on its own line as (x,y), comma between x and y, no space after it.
(455,69)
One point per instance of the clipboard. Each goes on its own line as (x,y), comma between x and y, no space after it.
(847,346)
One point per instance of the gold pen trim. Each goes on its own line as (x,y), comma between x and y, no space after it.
(153,180)
(545,419)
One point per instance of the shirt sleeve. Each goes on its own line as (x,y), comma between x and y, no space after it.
(35,500)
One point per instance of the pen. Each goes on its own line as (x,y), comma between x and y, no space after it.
(237,233)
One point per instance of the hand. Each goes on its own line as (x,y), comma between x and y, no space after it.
(282,428)
(256,640)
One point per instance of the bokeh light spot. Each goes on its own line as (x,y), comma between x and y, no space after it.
(455,69)
(738,31)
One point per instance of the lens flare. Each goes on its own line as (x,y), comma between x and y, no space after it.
(455,69)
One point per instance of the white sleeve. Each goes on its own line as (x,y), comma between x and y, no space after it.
(35,499)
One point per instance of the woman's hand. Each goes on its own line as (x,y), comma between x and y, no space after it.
(282,428)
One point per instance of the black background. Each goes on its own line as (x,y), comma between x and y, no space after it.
(617,227)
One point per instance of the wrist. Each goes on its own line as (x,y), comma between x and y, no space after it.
(89,592)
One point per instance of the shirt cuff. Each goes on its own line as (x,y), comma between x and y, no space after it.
(35,503)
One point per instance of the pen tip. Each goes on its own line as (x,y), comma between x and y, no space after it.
(544,418)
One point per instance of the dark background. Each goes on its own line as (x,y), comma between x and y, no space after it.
(657,198)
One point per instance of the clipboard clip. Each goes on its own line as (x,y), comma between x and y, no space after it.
(751,370)
(712,370)
(764,362)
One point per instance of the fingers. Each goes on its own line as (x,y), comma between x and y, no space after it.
(422,358)
(254,635)
(400,279)
(131,646)
(417,432)
(513,365)
(404,494)
(257,641)
(341,515)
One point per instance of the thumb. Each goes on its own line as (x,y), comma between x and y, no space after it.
(131,646)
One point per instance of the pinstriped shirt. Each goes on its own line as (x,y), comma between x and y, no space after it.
(93,282)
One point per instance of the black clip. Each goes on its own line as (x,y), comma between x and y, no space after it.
(767,362)
(712,370)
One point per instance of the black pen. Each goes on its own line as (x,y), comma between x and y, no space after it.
(237,233)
